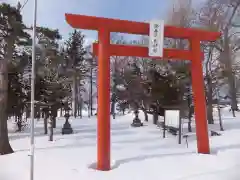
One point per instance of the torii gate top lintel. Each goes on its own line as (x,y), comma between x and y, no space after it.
(124,26)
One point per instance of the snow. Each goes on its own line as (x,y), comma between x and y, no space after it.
(137,153)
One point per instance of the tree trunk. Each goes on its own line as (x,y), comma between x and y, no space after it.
(74,96)
(190,119)
(80,107)
(229,70)
(113,99)
(5,147)
(50,126)
(54,111)
(220,118)
(46,116)
(38,112)
(210,114)
(114,89)
(28,112)
(190,112)
(54,122)
(61,112)
(19,123)
(233,94)
(189,124)
(209,101)
(113,107)
(91,90)
(219,111)
(145,114)
(25,111)
(209,92)
(123,111)
(42,114)
(155,115)
(89,113)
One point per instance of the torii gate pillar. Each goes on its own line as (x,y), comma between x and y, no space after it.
(104,50)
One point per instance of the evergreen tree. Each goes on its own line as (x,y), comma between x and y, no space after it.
(11,34)
(75,66)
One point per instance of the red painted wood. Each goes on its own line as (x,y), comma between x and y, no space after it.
(104,50)
(103,110)
(127,50)
(131,27)
(199,98)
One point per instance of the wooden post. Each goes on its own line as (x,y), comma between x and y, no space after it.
(164,125)
(103,128)
(199,98)
(180,129)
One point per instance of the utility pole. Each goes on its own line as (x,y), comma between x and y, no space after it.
(33,90)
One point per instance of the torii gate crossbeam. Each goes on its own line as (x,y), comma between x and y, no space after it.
(104,50)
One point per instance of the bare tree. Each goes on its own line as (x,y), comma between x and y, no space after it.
(224,15)
(184,15)
(117,64)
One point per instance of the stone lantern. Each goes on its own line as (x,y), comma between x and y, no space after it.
(67,129)
(136,121)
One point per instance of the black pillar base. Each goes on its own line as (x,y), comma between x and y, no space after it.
(67,129)
(137,123)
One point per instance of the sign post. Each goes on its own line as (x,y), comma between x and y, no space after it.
(173,120)
(180,131)
(164,125)
(156,38)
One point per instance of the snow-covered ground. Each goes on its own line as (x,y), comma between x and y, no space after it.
(137,153)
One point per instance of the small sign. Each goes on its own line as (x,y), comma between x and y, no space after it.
(156,38)
(172,118)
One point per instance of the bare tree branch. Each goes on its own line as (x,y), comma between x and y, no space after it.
(235,8)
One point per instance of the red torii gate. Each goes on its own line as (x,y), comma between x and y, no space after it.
(104,50)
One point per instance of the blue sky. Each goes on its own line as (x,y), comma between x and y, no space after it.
(51,12)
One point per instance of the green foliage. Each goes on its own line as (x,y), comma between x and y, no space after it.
(12,32)
(75,62)
(11,24)
(153,87)
(55,67)
(16,95)
(51,88)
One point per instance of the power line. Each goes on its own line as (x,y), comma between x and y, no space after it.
(24,4)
